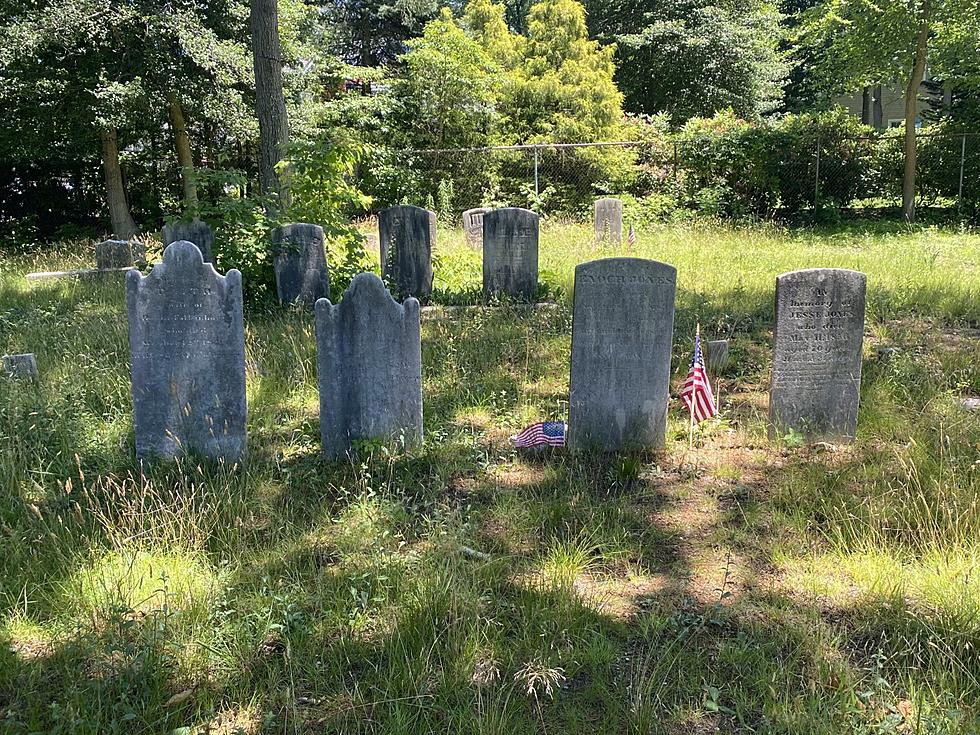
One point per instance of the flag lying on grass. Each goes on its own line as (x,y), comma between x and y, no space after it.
(696,393)
(549,433)
(631,239)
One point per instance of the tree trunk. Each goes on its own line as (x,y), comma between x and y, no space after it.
(866,105)
(123,226)
(184,156)
(270,103)
(911,99)
(878,112)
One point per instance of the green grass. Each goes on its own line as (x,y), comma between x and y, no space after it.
(742,587)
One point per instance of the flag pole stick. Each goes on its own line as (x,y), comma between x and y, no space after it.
(690,434)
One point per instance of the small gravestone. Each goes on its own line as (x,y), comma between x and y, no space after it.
(816,370)
(407,236)
(197,232)
(300,263)
(115,254)
(719,353)
(20,367)
(369,358)
(622,328)
(510,253)
(609,220)
(473,225)
(187,345)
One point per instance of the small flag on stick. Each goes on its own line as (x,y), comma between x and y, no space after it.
(696,394)
(549,433)
(631,238)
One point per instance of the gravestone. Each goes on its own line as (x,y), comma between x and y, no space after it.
(300,263)
(20,367)
(622,328)
(116,254)
(816,370)
(197,232)
(473,225)
(369,358)
(187,346)
(609,220)
(510,253)
(719,353)
(407,237)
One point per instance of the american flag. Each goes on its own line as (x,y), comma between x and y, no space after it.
(696,394)
(549,433)
(631,239)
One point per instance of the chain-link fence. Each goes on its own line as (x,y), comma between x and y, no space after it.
(656,178)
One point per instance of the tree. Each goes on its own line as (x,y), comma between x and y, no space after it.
(695,57)
(371,33)
(484,21)
(872,42)
(270,102)
(566,91)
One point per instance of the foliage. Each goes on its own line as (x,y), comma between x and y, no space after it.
(371,33)
(694,57)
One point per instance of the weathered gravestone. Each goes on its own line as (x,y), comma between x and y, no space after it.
(369,358)
(300,263)
(621,341)
(196,232)
(609,220)
(473,225)
(187,345)
(816,370)
(719,353)
(407,236)
(115,254)
(20,367)
(510,253)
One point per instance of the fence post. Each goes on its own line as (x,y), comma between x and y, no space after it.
(537,193)
(959,197)
(816,180)
(675,162)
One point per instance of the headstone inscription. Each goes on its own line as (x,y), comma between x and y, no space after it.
(116,254)
(622,327)
(407,236)
(197,232)
(816,370)
(20,367)
(473,225)
(510,253)
(300,263)
(609,220)
(187,345)
(369,358)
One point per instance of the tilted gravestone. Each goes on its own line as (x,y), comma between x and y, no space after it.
(407,236)
(115,254)
(187,345)
(510,253)
(609,220)
(20,367)
(197,232)
(369,358)
(719,354)
(816,370)
(622,328)
(473,225)
(300,263)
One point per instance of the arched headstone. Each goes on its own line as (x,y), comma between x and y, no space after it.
(300,262)
(609,220)
(473,225)
(197,232)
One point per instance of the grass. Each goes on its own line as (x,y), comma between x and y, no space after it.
(742,587)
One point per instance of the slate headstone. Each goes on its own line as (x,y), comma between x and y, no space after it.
(473,225)
(20,367)
(115,254)
(622,329)
(510,253)
(369,358)
(187,346)
(407,237)
(300,263)
(719,353)
(197,232)
(609,220)
(816,370)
